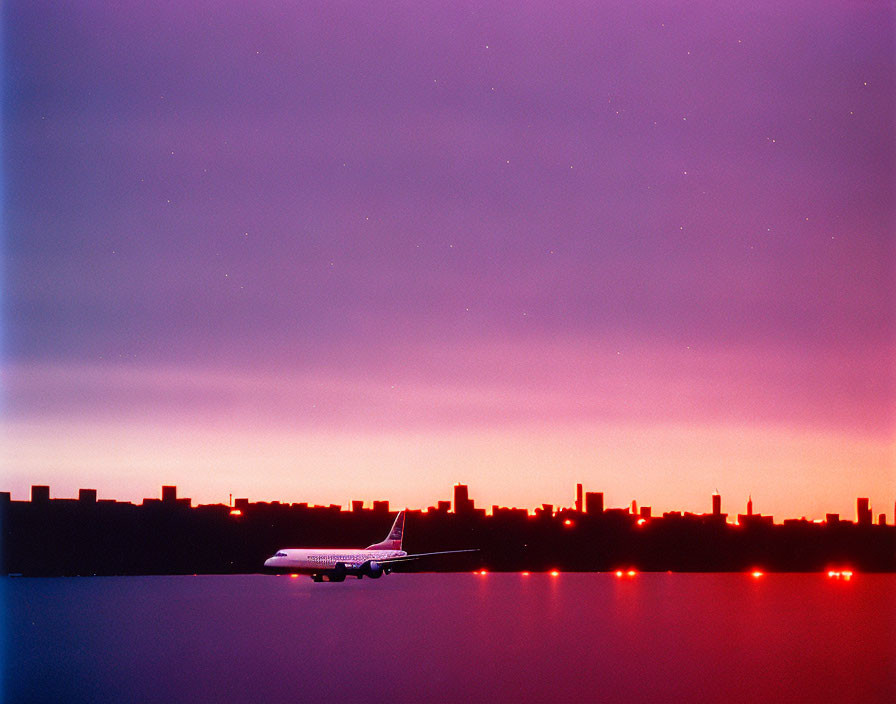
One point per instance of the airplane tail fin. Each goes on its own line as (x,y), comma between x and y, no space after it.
(393,540)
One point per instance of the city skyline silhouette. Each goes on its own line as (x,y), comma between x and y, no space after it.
(168,535)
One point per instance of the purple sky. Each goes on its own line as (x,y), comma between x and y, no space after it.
(322,252)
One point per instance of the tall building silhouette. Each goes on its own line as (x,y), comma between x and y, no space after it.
(169,494)
(579,498)
(594,502)
(863,511)
(462,503)
(750,505)
(716,504)
(40,493)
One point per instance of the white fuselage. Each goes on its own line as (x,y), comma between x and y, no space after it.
(314,560)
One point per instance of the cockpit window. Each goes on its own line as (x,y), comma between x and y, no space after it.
(280,554)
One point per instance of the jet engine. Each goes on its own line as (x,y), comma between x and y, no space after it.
(372,569)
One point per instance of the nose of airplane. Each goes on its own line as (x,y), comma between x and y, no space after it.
(269,562)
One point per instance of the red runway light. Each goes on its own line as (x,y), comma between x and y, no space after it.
(757,573)
(845,575)
(555,573)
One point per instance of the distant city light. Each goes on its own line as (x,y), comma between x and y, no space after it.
(481,572)
(567,522)
(619,573)
(236,512)
(757,573)
(555,573)
(631,573)
(525,574)
(294,576)
(642,521)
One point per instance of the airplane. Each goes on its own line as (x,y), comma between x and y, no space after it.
(338,563)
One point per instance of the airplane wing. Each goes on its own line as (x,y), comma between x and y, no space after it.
(390,560)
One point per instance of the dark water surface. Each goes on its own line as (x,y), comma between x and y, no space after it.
(452,638)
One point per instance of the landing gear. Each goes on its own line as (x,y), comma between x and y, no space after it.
(317,578)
